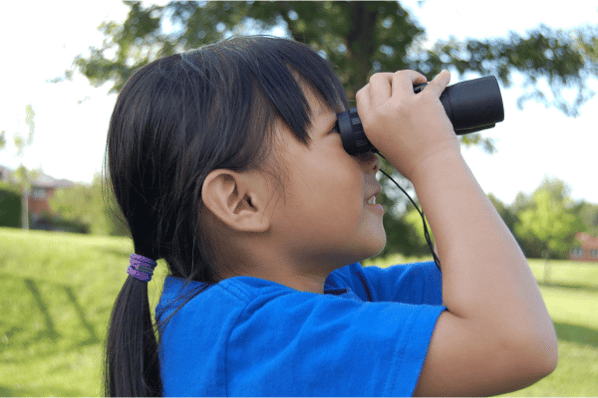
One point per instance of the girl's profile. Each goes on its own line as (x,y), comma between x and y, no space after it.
(225,163)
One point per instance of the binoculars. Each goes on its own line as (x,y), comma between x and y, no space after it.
(471,106)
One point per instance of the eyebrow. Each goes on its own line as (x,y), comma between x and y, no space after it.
(328,127)
(320,111)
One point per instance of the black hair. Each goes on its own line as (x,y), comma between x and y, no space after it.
(176,120)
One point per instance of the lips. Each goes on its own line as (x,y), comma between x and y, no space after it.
(372,197)
(371,205)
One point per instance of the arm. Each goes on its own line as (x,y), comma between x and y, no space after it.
(496,335)
(496,314)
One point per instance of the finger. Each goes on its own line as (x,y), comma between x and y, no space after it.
(404,80)
(439,83)
(363,98)
(380,87)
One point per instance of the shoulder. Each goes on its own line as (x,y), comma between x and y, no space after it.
(309,335)
(234,293)
(196,321)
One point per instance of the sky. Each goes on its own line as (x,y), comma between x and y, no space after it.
(41,39)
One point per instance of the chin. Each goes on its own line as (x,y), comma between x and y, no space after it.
(380,247)
(374,247)
(378,241)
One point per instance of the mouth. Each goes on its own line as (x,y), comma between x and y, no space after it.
(371,200)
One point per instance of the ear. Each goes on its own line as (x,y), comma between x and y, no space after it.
(238,199)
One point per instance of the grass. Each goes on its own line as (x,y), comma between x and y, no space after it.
(56,294)
(571,296)
(57,291)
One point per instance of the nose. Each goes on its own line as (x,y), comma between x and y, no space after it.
(369,161)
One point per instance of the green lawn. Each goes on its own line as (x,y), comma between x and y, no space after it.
(57,290)
(56,294)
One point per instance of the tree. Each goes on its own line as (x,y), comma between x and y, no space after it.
(91,206)
(361,38)
(588,212)
(22,174)
(549,226)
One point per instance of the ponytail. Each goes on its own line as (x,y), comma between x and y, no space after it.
(132,367)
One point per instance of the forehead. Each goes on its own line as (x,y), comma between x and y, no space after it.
(321,120)
(318,106)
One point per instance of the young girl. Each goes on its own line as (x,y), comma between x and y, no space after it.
(226,163)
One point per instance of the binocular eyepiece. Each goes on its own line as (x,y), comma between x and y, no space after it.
(471,106)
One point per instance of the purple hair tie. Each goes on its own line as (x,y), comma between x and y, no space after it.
(141,268)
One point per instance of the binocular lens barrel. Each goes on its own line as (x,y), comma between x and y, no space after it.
(471,106)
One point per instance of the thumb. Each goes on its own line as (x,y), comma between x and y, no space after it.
(440,82)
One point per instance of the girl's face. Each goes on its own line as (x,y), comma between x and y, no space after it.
(324,220)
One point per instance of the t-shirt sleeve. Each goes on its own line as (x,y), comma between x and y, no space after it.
(320,345)
(414,283)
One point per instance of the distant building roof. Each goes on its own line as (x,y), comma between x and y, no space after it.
(42,181)
(587,239)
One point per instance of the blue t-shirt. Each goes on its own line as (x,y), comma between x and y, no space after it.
(367,335)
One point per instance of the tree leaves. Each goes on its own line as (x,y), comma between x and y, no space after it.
(360,38)
(562,59)
(549,222)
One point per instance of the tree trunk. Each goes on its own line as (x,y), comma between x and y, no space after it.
(360,45)
(25,209)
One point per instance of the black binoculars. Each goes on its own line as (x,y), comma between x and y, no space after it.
(471,106)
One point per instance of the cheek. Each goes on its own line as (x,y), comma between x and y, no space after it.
(335,195)
(326,188)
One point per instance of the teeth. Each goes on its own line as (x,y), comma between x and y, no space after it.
(372,200)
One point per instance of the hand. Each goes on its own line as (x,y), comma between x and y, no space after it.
(406,128)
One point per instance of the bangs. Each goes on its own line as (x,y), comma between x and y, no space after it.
(282,69)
